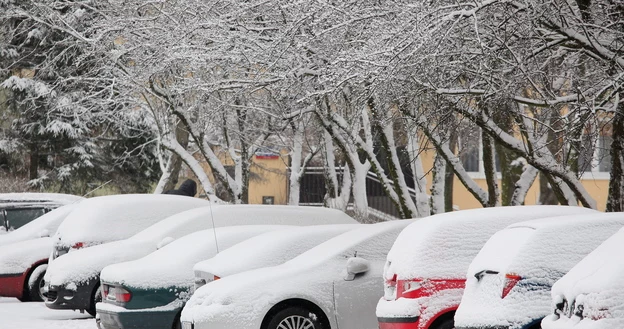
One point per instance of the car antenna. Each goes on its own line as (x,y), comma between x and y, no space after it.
(214,229)
(95,189)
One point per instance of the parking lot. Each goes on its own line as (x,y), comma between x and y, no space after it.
(17,315)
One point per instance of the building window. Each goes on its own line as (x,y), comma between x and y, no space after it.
(471,151)
(595,154)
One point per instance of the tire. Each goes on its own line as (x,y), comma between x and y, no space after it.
(445,324)
(177,324)
(291,316)
(33,290)
(95,298)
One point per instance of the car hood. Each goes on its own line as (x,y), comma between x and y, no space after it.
(18,257)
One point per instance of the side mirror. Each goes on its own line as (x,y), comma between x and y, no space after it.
(355,266)
(44,233)
(164,242)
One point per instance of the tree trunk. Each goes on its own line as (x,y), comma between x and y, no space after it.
(438,185)
(449,175)
(33,169)
(615,201)
(490,169)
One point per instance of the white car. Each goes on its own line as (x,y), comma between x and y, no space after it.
(508,283)
(269,249)
(591,294)
(426,268)
(73,280)
(116,217)
(333,285)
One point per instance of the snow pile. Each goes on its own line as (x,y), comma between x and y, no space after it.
(49,198)
(241,300)
(268,249)
(117,217)
(540,252)
(174,263)
(44,225)
(452,240)
(16,258)
(596,283)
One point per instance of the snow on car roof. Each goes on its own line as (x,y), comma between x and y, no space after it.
(345,241)
(55,198)
(452,240)
(117,217)
(172,265)
(599,272)
(270,249)
(44,225)
(231,215)
(547,244)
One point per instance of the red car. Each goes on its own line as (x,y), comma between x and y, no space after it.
(425,272)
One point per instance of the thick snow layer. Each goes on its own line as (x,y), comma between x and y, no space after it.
(116,217)
(82,265)
(16,258)
(52,198)
(596,282)
(268,249)
(241,300)
(172,266)
(540,252)
(452,240)
(17,315)
(45,225)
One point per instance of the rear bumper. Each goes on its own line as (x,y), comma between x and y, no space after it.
(137,319)
(410,322)
(61,298)
(12,285)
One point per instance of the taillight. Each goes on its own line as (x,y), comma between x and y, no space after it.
(78,245)
(117,294)
(510,281)
(390,288)
(122,295)
(216,277)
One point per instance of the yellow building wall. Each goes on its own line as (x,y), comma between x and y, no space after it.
(598,188)
(273,179)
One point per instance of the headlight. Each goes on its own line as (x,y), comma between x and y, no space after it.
(199,282)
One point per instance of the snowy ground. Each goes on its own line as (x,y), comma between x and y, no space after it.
(17,315)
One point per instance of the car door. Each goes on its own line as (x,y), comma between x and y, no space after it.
(355,300)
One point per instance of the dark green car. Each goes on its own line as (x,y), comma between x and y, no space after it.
(150,292)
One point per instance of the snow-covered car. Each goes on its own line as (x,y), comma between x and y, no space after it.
(333,285)
(24,255)
(591,294)
(18,209)
(73,280)
(426,268)
(269,249)
(116,217)
(508,283)
(134,297)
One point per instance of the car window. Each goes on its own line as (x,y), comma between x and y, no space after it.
(17,218)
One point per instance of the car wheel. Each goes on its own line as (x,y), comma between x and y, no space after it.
(177,324)
(96,298)
(35,284)
(445,324)
(295,318)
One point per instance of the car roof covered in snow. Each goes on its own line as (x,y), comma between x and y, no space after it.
(172,264)
(548,244)
(231,215)
(452,240)
(45,198)
(44,225)
(268,249)
(345,241)
(599,272)
(116,217)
